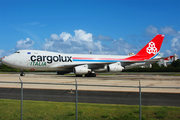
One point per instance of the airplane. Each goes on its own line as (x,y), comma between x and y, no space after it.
(169,58)
(82,64)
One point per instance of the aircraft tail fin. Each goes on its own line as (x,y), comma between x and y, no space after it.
(150,50)
(169,58)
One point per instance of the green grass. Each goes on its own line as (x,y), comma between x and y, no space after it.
(42,110)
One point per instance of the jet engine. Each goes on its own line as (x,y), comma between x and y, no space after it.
(115,67)
(81,70)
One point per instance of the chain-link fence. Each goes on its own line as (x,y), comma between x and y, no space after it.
(76,85)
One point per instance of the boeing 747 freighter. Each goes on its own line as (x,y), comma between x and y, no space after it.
(82,64)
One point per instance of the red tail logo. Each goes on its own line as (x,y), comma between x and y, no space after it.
(151,48)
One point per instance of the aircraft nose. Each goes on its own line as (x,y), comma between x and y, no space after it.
(7,60)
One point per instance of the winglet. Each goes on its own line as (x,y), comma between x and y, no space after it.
(150,50)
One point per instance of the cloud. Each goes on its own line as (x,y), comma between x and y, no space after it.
(168,30)
(171,31)
(151,30)
(81,35)
(55,37)
(98,44)
(168,52)
(24,44)
(82,42)
(2,52)
(65,36)
(121,47)
(103,38)
(175,43)
(6,53)
(48,44)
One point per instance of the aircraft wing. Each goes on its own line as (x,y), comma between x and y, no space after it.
(130,64)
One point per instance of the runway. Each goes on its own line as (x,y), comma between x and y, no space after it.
(128,98)
(94,93)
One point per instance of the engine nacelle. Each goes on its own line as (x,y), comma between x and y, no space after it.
(81,70)
(115,67)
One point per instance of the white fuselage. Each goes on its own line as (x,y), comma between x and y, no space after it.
(52,61)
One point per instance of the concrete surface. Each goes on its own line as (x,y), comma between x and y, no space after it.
(112,80)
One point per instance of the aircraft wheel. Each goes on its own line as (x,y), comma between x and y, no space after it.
(90,75)
(87,75)
(93,74)
(22,74)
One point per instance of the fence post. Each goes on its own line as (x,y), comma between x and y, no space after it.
(139,100)
(21,98)
(76,101)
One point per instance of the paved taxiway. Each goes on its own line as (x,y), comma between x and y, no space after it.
(94,94)
(132,81)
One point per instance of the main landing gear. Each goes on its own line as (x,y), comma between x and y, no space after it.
(90,75)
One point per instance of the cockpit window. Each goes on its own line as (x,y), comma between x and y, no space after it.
(17,52)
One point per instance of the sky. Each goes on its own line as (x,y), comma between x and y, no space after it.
(115,27)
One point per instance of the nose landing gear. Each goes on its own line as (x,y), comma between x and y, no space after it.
(22,73)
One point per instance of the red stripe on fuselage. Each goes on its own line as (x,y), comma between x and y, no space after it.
(79,58)
(117,59)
